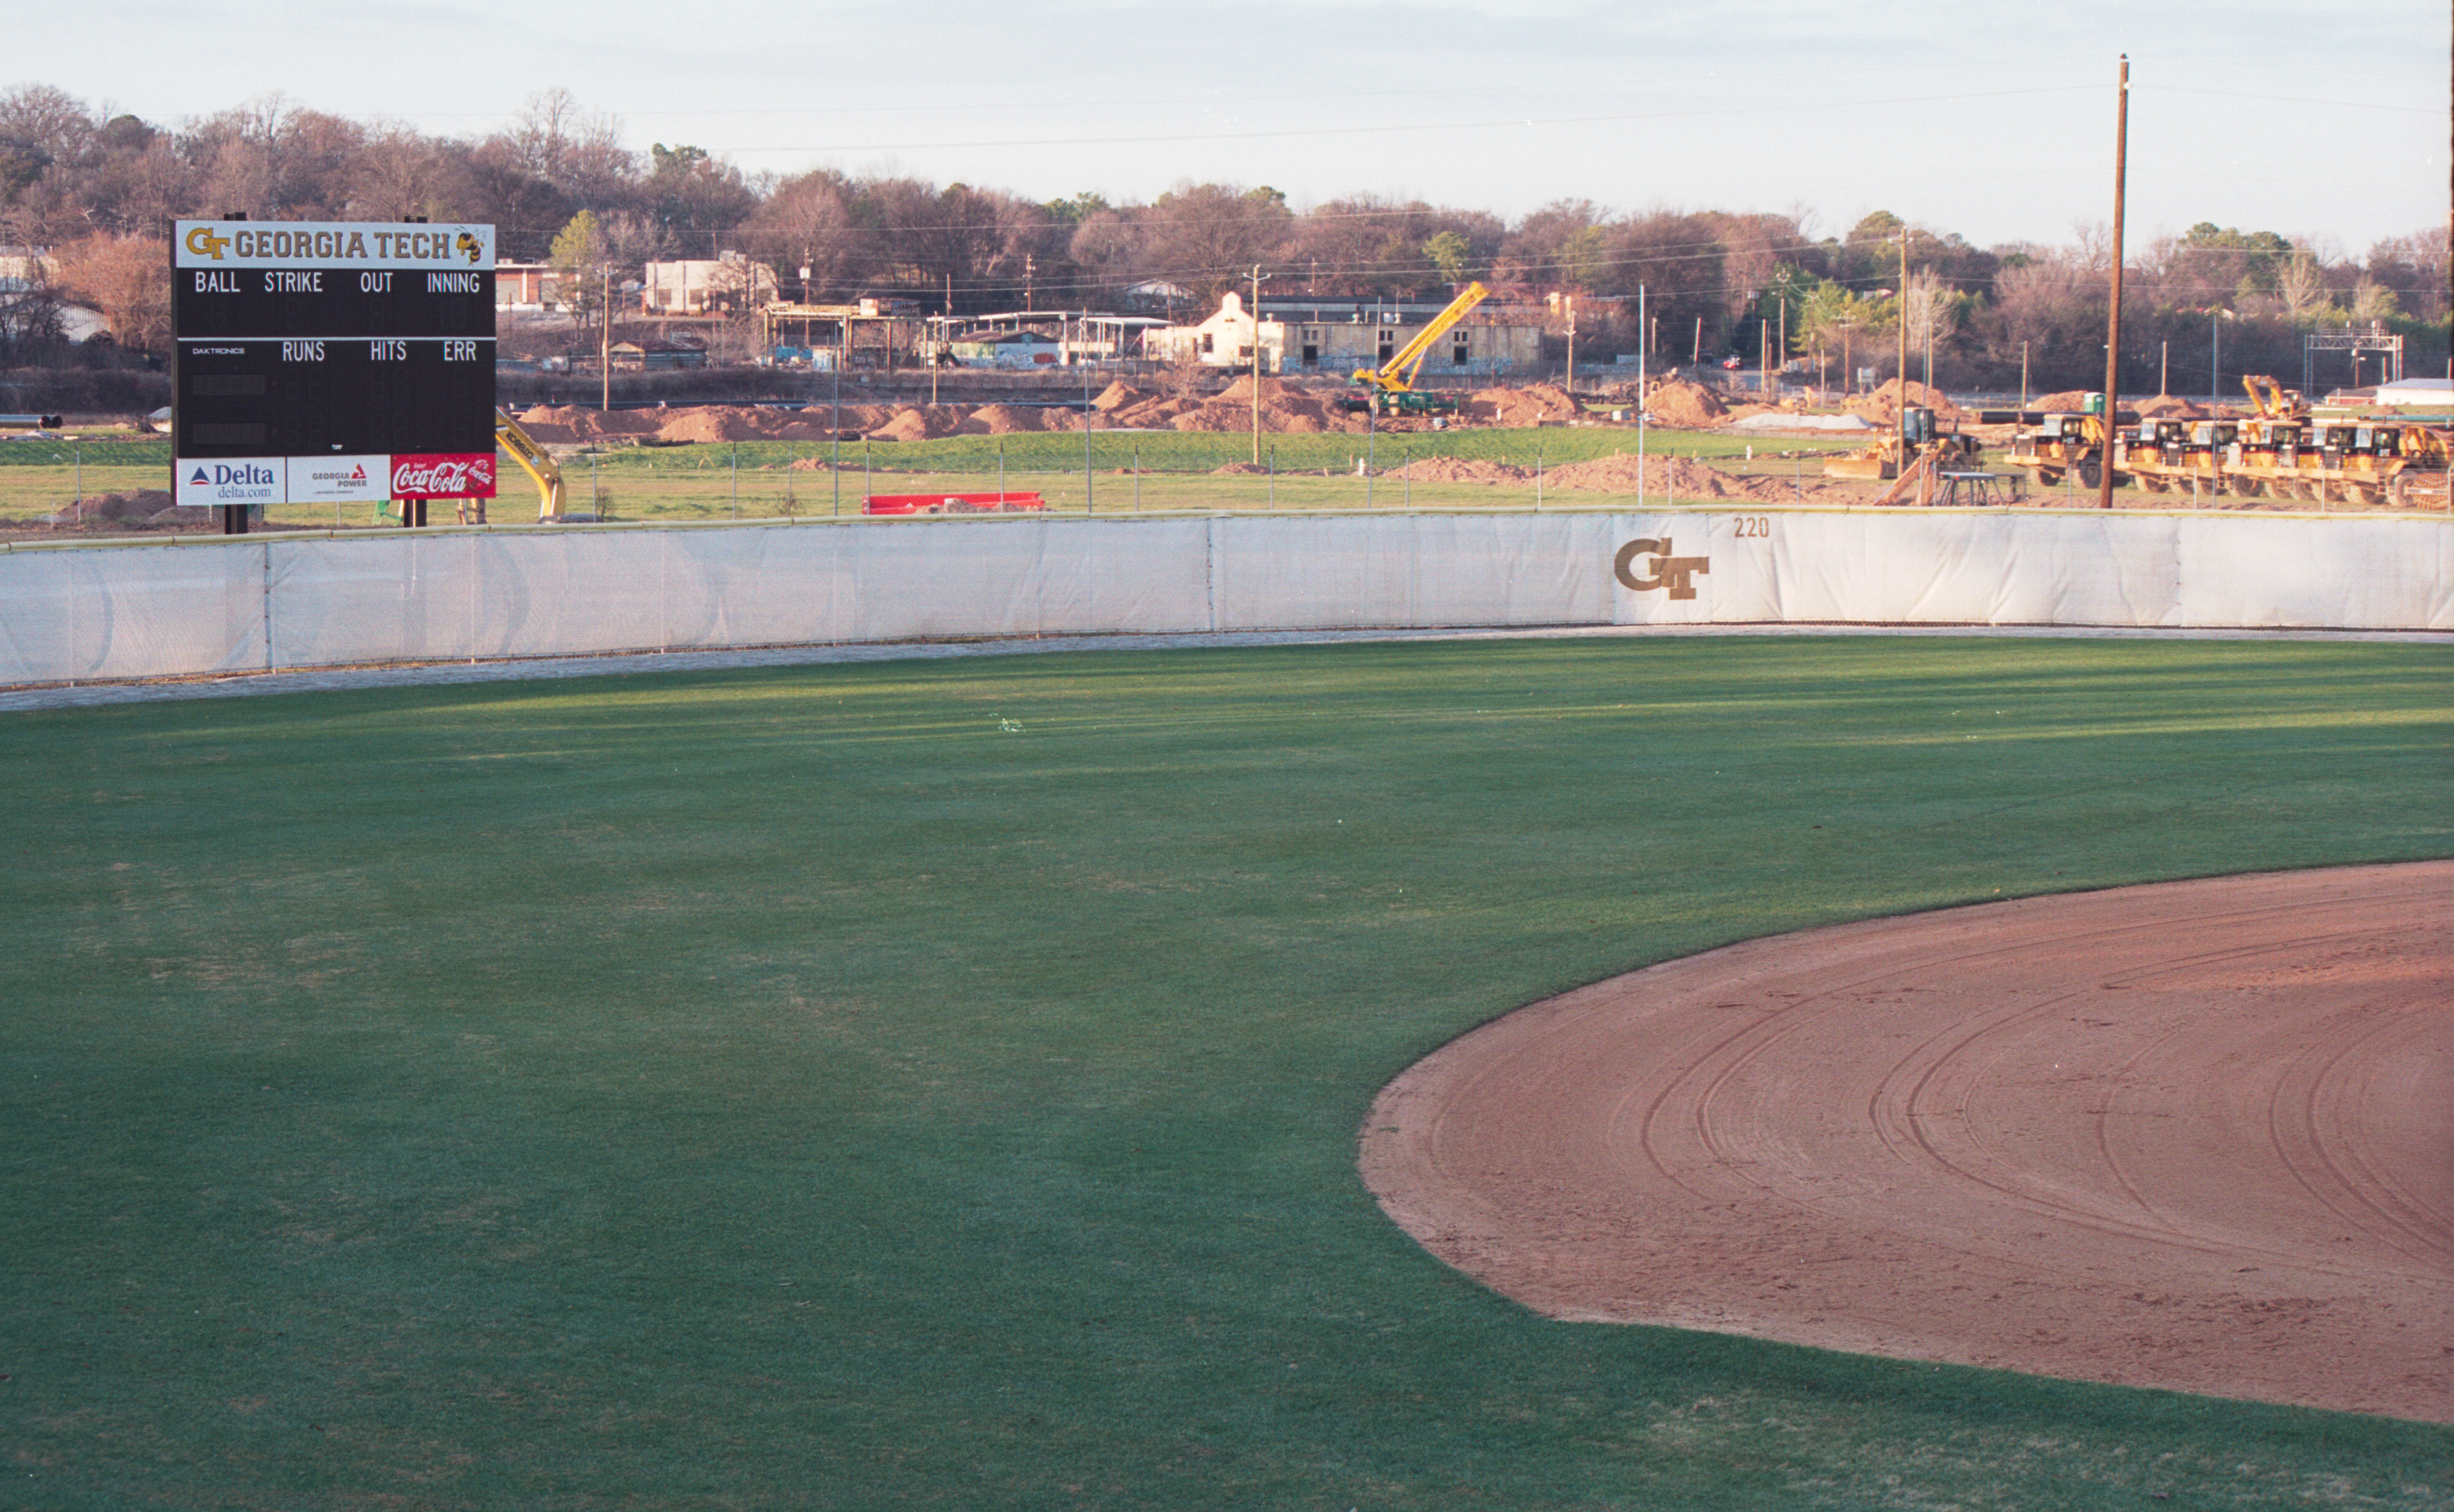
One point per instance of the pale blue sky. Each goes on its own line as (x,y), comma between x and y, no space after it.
(2323,120)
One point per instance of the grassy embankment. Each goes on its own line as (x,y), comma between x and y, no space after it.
(702,482)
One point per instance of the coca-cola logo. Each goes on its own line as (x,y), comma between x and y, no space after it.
(443,476)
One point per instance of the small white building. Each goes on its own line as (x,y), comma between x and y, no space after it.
(1340,346)
(703,286)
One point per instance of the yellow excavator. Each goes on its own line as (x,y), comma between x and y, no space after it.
(1391,385)
(533,460)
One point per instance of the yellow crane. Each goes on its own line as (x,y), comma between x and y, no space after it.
(1392,384)
(533,460)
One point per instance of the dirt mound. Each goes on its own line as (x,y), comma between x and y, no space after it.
(1007,419)
(1664,476)
(927,423)
(1682,403)
(1240,392)
(1460,470)
(1151,413)
(856,416)
(2070,402)
(706,425)
(2169,407)
(1884,403)
(135,508)
(546,424)
(1531,405)
(1238,470)
(1118,395)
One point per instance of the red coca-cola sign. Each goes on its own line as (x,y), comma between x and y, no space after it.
(442,474)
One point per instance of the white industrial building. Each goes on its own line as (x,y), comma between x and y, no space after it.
(1366,338)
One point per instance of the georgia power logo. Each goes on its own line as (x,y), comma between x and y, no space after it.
(1676,574)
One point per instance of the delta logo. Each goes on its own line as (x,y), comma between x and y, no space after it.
(245,475)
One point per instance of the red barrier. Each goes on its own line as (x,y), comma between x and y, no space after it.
(951,503)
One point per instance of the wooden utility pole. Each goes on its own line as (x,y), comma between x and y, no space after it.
(1900,318)
(2113,312)
(605,337)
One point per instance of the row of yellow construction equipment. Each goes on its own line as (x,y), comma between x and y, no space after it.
(2281,451)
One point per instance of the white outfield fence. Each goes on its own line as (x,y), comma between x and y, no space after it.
(293,600)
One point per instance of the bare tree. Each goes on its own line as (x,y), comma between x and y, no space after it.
(127,279)
(811,221)
(2300,286)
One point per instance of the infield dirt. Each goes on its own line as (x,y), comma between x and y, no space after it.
(2190,1136)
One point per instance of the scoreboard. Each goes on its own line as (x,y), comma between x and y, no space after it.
(321,362)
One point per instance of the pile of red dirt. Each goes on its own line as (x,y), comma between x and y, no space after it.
(1534,403)
(569,425)
(2169,407)
(1682,403)
(140,507)
(924,424)
(1460,470)
(1884,403)
(1284,409)
(1238,470)
(2070,402)
(1006,419)
(1118,395)
(1151,413)
(1662,476)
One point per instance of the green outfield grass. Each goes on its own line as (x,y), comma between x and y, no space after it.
(796,1088)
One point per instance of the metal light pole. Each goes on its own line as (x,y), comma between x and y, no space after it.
(1257,364)
(2215,356)
(1643,394)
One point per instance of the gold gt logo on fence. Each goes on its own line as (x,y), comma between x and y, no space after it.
(1673,573)
(204,244)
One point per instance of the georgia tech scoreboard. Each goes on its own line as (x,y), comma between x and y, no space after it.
(330,363)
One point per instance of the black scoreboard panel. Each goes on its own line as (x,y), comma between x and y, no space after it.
(310,396)
(312,302)
(298,340)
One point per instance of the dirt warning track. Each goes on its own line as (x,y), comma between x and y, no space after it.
(2197,1136)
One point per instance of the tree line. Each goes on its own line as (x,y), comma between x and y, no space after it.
(96,192)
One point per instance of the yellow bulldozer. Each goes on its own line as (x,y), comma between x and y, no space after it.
(2282,451)
(2060,444)
(1910,455)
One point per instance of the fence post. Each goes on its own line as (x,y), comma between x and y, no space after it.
(1406,471)
(1138,477)
(1000,469)
(1274,480)
(736,480)
(1087,416)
